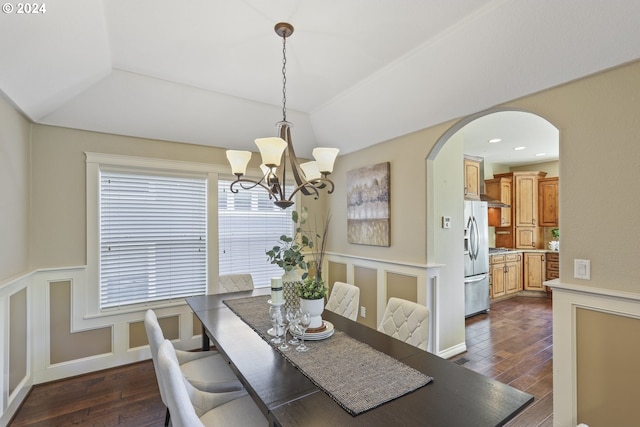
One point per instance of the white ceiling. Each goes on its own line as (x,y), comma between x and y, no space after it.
(525,138)
(359,72)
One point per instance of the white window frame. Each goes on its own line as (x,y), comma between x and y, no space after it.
(95,162)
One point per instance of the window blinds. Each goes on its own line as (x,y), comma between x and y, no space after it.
(249,224)
(153,240)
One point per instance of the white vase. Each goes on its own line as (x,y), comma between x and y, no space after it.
(314,307)
(290,280)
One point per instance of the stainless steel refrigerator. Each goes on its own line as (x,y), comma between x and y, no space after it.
(476,258)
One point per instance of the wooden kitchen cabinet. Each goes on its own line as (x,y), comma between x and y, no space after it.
(548,202)
(527,237)
(472,177)
(553,266)
(534,271)
(505,274)
(513,264)
(497,276)
(499,189)
(526,199)
(524,231)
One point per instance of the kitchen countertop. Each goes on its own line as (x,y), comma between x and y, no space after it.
(502,251)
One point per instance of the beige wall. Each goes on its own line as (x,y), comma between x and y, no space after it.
(58,233)
(445,185)
(408,226)
(599,127)
(67,345)
(607,372)
(58,236)
(366,279)
(14,192)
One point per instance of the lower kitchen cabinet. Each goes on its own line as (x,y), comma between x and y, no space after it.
(513,263)
(553,265)
(505,274)
(534,271)
(497,277)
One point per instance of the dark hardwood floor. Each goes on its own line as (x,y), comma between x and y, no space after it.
(511,344)
(123,396)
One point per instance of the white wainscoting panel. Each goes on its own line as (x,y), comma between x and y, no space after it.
(427,293)
(567,298)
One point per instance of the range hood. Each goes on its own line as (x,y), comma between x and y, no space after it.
(491,202)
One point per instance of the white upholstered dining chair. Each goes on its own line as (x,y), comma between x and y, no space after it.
(344,300)
(205,370)
(191,407)
(407,321)
(234,283)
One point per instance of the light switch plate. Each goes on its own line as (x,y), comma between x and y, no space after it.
(446,222)
(582,269)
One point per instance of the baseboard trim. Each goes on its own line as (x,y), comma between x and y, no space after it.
(455,350)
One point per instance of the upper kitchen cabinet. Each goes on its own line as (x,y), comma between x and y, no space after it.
(526,198)
(499,189)
(472,177)
(548,202)
(525,231)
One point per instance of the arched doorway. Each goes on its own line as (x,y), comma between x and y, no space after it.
(444,171)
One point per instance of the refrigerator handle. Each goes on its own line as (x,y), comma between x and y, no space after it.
(472,238)
(468,248)
(477,238)
(473,279)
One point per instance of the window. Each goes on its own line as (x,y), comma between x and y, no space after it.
(153,237)
(249,224)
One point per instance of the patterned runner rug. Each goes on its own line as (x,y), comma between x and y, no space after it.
(356,376)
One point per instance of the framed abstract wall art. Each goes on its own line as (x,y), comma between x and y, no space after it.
(368,195)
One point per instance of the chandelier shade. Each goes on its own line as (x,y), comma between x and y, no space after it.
(238,161)
(276,152)
(325,157)
(311,170)
(271,150)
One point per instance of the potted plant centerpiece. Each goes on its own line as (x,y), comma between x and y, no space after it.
(313,289)
(288,255)
(554,245)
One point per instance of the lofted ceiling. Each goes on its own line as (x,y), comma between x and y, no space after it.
(359,72)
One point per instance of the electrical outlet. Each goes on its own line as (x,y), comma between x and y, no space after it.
(363,311)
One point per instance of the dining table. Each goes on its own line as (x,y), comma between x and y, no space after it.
(288,395)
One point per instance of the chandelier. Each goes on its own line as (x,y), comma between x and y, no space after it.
(309,177)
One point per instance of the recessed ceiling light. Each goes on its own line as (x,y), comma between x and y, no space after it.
(519,148)
(541,154)
(494,140)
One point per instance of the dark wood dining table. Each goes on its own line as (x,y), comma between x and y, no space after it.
(457,396)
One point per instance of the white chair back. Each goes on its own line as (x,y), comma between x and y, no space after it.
(179,403)
(186,403)
(407,321)
(344,300)
(235,283)
(155,338)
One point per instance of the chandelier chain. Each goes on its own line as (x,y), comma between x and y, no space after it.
(284,77)
(309,177)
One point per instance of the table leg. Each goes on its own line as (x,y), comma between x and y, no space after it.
(206,344)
